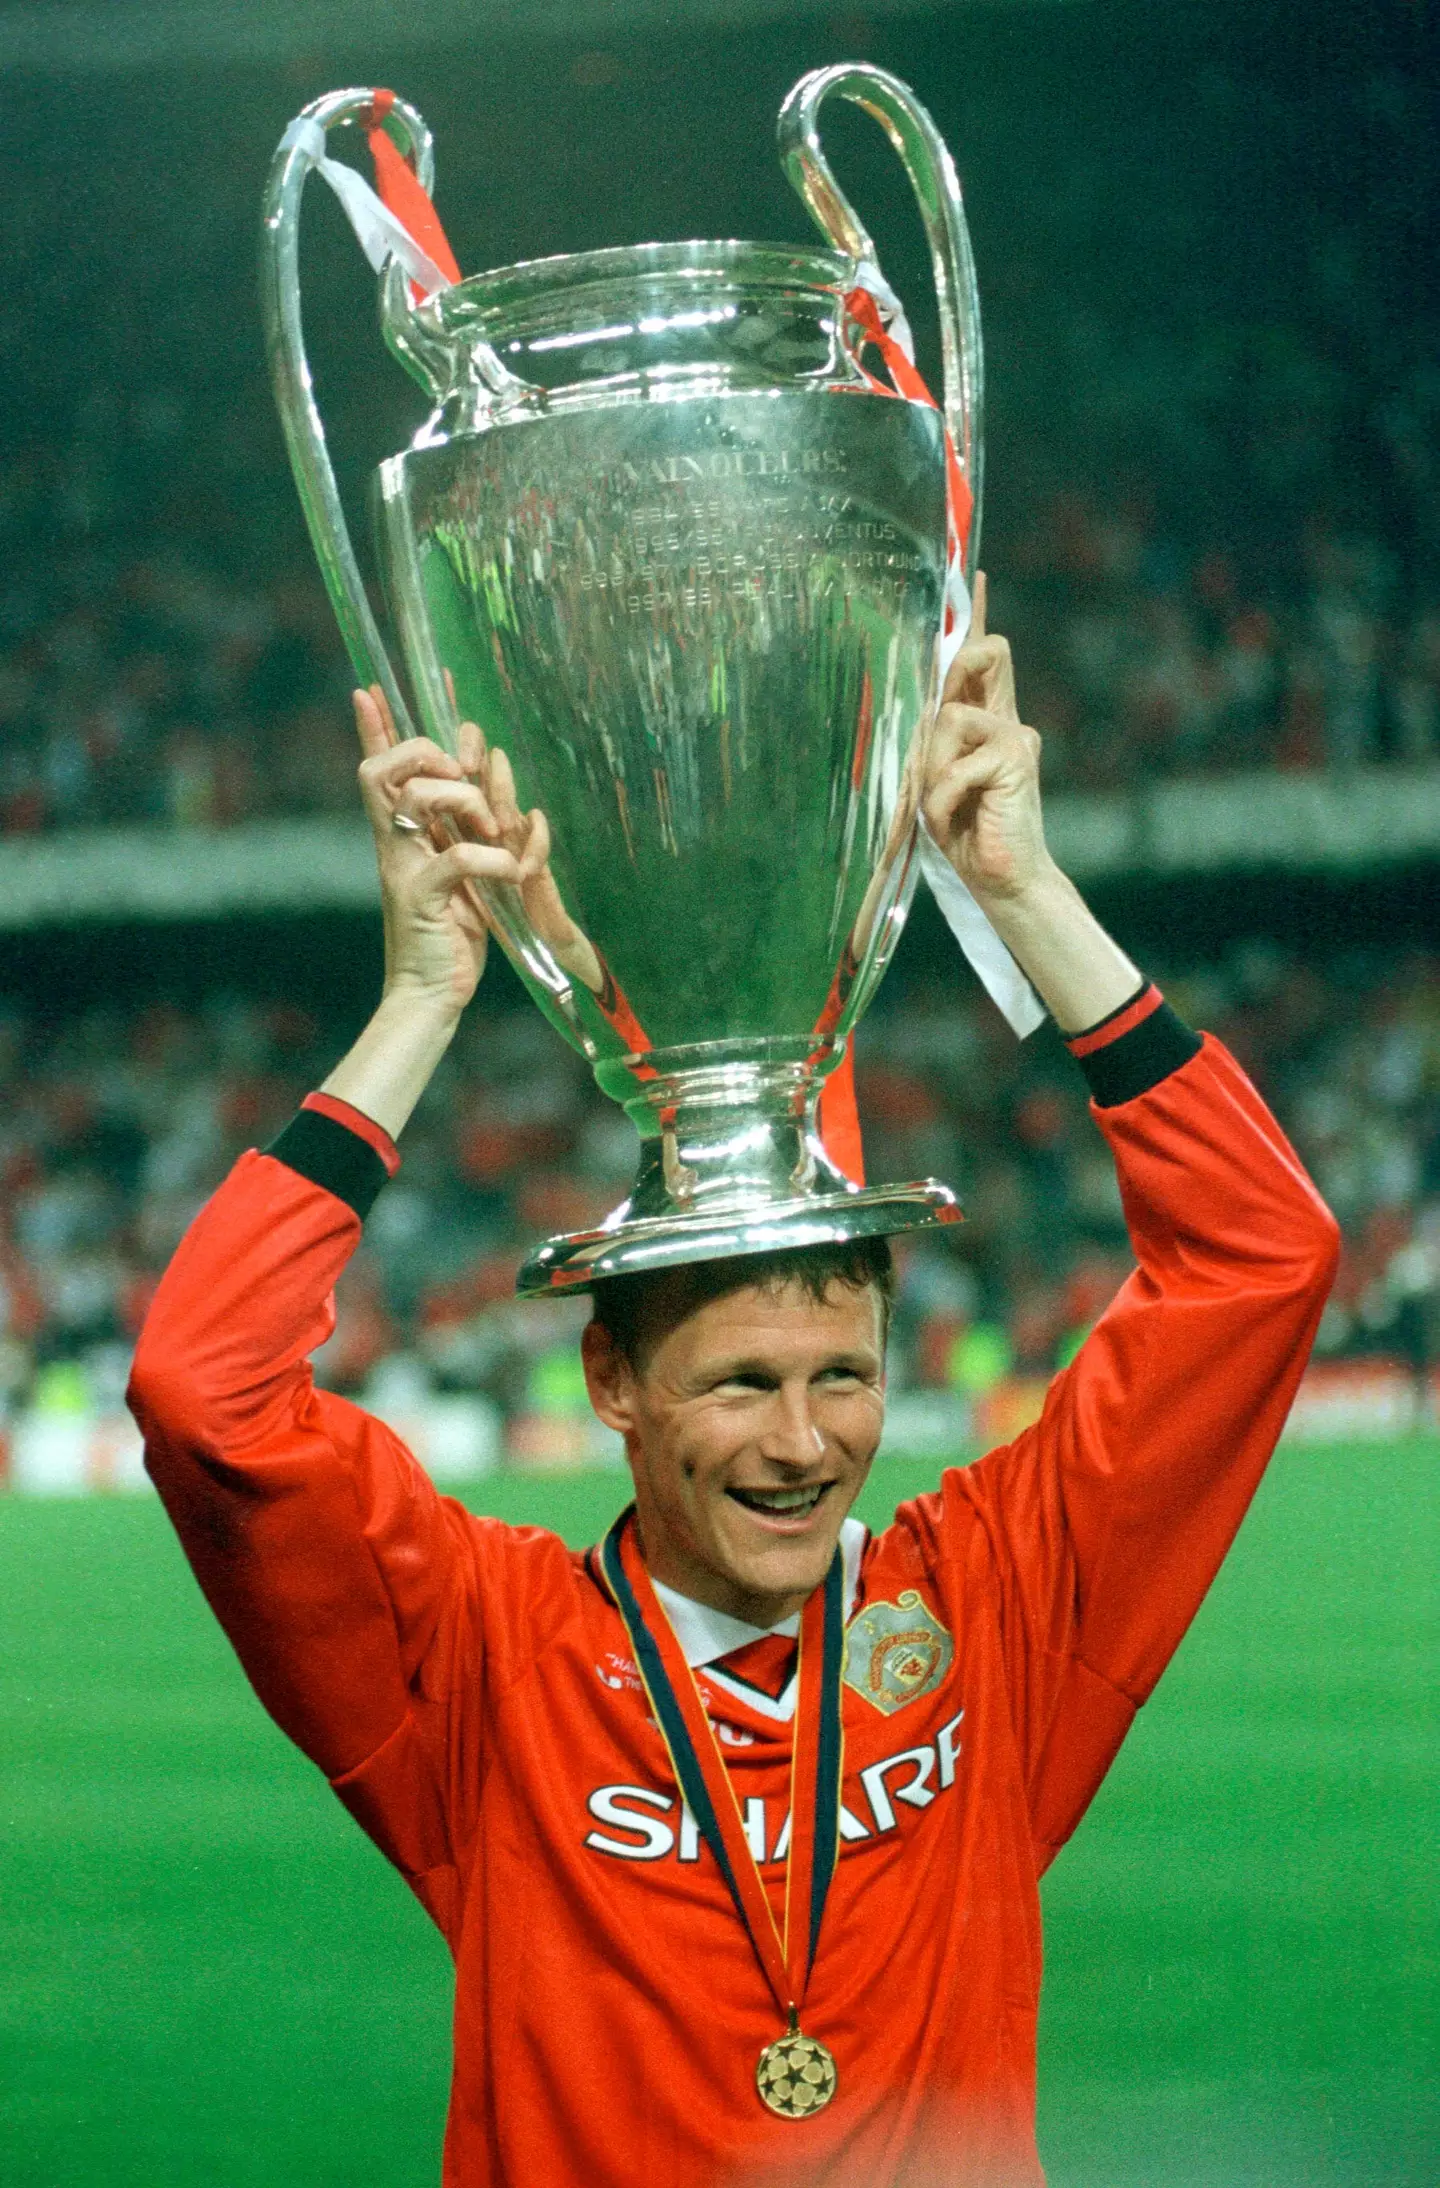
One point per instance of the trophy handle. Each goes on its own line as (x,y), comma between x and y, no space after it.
(937,190)
(315,476)
(290,371)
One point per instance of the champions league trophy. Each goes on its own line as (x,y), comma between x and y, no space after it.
(674,548)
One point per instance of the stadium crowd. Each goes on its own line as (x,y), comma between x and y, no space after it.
(1214,455)
(163,690)
(171,658)
(115,1126)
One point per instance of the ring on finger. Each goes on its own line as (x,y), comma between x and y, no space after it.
(406,826)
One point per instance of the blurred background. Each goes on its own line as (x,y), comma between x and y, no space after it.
(1207,248)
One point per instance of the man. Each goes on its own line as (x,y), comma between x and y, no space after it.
(515,1725)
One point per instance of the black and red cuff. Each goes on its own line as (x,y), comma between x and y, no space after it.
(338,1148)
(1133,1049)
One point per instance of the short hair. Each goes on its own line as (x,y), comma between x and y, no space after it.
(637,1311)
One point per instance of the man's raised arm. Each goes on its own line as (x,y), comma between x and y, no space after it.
(319,1542)
(1105,1523)
(981,803)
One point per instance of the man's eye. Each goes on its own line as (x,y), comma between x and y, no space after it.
(744,1382)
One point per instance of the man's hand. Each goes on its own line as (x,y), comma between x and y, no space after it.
(982,782)
(439,830)
(982,803)
(435,933)
(528,836)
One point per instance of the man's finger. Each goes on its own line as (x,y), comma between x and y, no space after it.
(1000,679)
(983,675)
(382,708)
(535,856)
(979,770)
(469,737)
(389,770)
(503,801)
(961,728)
(370,722)
(977,609)
(471,743)
(443,875)
(424,799)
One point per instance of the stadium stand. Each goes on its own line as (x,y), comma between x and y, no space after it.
(118,1122)
(169,692)
(1213,526)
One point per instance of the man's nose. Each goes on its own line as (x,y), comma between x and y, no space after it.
(792,1434)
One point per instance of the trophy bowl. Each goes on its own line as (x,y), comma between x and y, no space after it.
(680,555)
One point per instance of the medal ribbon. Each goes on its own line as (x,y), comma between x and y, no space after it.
(705,1783)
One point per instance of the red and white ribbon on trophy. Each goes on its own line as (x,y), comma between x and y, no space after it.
(400,222)
(873,304)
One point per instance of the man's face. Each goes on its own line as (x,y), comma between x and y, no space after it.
(749,1427)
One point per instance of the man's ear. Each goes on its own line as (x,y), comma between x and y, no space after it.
(609,1378)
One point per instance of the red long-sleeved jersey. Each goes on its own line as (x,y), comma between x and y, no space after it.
(467,1686)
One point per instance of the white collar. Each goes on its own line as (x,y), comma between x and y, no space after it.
(705,1635)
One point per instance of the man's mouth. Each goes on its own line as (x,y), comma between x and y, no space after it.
(782,1503)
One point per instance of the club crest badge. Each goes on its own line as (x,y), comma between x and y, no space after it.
(895,1652)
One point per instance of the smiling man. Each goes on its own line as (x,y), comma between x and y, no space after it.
(751,1396)
(734,1824)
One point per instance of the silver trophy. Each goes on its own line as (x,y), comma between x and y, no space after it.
(678,552)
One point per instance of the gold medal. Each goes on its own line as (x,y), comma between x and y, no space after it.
(796,2075)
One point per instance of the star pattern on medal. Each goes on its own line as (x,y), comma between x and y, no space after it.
(796,2076)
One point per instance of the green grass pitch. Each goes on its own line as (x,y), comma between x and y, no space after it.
(208,1976)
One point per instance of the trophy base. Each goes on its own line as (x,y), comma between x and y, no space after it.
(639,1245)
